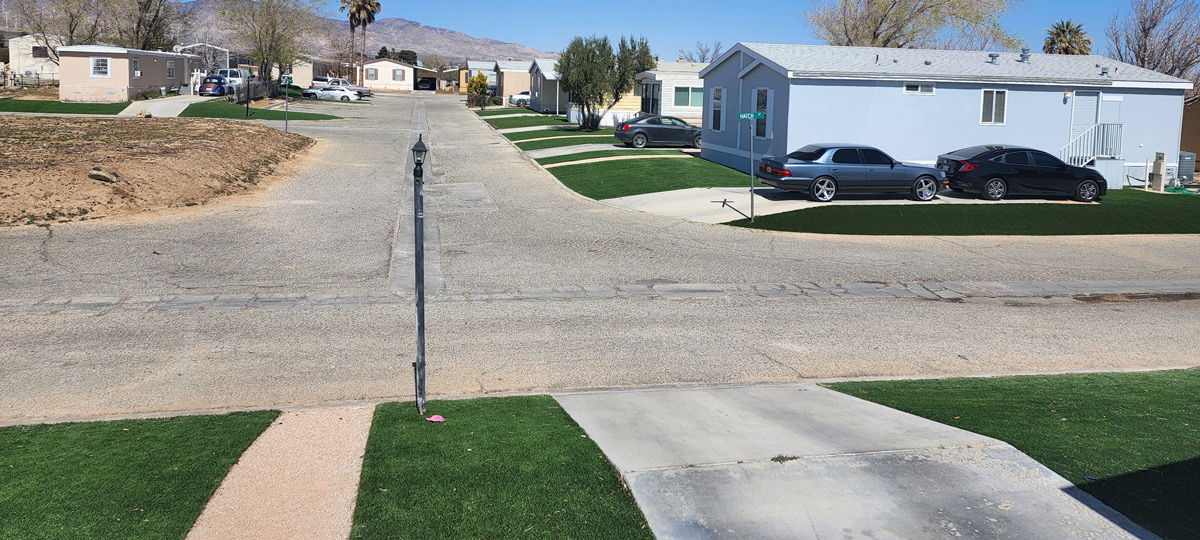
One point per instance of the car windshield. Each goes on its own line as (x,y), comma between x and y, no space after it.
(808,153)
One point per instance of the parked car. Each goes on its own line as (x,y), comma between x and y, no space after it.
(235,77)
(339,93)
(426,83)
(342,83)
(995,171)
(825,170)
(519,100)
(491,91)
(656,129)
(214,85)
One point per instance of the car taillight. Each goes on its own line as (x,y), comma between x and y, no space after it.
(624,127)
(773,170)
(966,166)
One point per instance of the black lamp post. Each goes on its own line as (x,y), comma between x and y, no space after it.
(419,152)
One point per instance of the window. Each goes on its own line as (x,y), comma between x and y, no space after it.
(668,121)
(994,102)
(100,67)
(872,156)
(808,153)
(763,105)
(717,94)
(847,155)
(1045,160)
(135,67)
(686,96)
(922,89)
(170,69)
(41,52)
(1016,158)
(372,74)
(397,74)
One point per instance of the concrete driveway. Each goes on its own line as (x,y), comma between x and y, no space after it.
(166,107)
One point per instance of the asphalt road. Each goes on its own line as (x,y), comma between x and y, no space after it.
(499,223)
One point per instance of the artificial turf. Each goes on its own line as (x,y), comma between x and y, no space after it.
(529,121)
(496,468)
(610,179)
(40,106)
(1131,440)
(1126,211)
(543,133)
(559,142)
(127,479)
(220,109)
(605,153)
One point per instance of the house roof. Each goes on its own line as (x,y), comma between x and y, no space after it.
(513,65)
(105,49)
(389,60)
(481,65)
(547,69)
(673,68)
(829,62)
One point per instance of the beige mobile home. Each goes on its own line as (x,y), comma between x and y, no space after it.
(101,74)
(512,77)
(385,74)
(27,58)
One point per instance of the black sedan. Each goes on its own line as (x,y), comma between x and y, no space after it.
(824,170)
(995,171)
(665,130)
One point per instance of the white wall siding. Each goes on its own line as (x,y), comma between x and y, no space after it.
(672,80)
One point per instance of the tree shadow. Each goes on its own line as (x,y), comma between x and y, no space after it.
(1165,499)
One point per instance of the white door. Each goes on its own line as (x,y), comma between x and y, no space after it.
(1086,112)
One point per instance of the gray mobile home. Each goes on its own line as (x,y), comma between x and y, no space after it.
(545,93)
(916,104)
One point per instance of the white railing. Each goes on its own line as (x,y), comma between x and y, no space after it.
(1099,141)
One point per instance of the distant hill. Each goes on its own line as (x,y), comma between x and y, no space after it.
(393,33)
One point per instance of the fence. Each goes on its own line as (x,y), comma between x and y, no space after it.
(32,81)
(254,90)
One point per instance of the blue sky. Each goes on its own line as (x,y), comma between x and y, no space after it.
(549,25)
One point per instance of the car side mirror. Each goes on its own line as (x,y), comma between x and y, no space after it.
(894,164)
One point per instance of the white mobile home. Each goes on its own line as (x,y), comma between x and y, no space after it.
(916,104)
(673,89)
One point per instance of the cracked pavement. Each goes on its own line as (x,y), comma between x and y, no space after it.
(301,294)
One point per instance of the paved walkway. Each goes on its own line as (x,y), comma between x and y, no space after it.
(168,107)
(801,461)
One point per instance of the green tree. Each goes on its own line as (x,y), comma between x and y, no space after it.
(597,78)
(407,56)
(351,9)
(1066,37)
(383,53)
(477,90)
(366,16)
(943,24)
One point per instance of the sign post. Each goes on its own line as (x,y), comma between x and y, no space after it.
(285,81)
(752,116)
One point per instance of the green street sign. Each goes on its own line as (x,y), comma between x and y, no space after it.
(751,115)
(286,79)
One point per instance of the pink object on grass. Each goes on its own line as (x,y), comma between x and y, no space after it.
(436,418)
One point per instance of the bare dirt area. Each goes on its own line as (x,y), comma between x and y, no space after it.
(40,93)
(159,163)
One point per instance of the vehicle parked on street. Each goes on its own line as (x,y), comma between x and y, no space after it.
(995,171)
(235,77)
(426,83)
(214,85)
(825,170)
(519,100)
(343,83)
(339,93)
(657,130)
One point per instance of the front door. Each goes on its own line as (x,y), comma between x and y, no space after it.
(1086,112)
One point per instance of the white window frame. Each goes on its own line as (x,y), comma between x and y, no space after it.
(713,112)
(690,93)
(107,66)
(770,119)
(135,65)
(981,97)
(920,86)
(372,74)
(170,69)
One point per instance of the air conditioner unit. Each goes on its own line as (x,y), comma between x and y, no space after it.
(29,73)
(137,74)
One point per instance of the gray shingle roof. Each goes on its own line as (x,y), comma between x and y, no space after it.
(510,65)
(547,69)
(681,67)
(480,65)
(872,62)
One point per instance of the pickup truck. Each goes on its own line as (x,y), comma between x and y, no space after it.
(235,76)
(519,100)
(342,83)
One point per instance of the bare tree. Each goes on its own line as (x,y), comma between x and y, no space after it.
(1161,35)
(55,23)
(943,24)
(275,32)
(145,24)
(703,53)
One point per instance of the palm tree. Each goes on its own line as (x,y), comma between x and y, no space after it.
(350,7)
(366,15)
(1066,37)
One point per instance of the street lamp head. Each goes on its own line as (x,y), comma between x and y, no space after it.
(419,151)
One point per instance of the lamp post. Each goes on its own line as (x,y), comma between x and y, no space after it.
(419,151)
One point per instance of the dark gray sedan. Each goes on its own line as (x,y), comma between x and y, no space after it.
(664,130)
(824,170)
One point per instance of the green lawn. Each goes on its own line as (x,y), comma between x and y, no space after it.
(221,109)
(611,179)
(607,153)
(39,106)
(559,142)
(497,468)
(525,135)
(1126,211)
(117,480)
(1131,440)
(528,121)
(503,111)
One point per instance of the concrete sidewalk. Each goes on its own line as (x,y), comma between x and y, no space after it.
(168,107)
(801,461)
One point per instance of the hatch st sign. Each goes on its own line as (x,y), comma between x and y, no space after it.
(752,115)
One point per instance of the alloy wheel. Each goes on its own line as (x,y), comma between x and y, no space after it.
(994,189)
(823,189)
(924,189)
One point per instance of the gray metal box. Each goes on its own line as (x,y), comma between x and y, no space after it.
(1187,167)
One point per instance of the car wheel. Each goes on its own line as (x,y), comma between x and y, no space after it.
(345,98)
(995,189)
(924,188)
(1087,191)
(696,141)
(639,141)
(520,103)
(822,189)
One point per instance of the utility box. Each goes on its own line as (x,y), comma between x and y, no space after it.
(1158,172)
(1187,167)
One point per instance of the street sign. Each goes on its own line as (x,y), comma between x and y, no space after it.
(286,79)
(752,115)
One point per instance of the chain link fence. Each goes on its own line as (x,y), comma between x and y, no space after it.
(254,90)
(15,80)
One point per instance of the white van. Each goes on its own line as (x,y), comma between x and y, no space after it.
(235,76)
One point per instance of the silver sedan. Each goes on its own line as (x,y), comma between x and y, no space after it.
(824,170)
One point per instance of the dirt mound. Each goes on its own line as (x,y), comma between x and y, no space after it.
(159,162)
